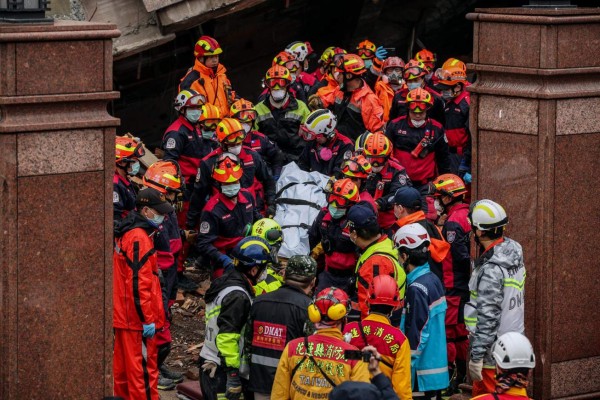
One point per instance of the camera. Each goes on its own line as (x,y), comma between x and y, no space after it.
(357,355)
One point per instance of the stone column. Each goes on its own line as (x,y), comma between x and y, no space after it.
(56,167)
(536,128)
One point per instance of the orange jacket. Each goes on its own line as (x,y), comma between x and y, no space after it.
(385,93)
(362,101)
(438,248)
(393,347)
(327,93)
(214,86)
(137,297)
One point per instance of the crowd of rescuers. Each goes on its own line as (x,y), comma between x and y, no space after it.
(388,304)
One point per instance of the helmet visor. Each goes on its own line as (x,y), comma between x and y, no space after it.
(246,115)
(365,53)
(307,135)
(276,82)
(339,201)
(418,106)
(292,65)
(235,138)
(377,161)
(210,124)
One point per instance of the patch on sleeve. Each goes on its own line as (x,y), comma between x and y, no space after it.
(115,197)
(402,179)
(347,155)
(450,236)
(170,144)
(204,227)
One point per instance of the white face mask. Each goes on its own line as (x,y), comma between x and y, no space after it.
(193,115)
(439,208)
(278,94)
(418,124)
(231,190)
(294,77)
(262,276)
(235,150)
(377,169)
(246,127)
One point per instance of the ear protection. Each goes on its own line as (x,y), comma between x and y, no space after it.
(335,309)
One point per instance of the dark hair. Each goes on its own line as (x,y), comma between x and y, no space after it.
(412,210)
(417,256)
(494,234)
(298,281)
(381,309)
(368,232)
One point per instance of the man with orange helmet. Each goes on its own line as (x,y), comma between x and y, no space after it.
(243,110)
(428,59)
(128,151)
(209,118)
(227,216)
(450,193)
(310,367)
(358,169)
(329,229)
(326,147)
(390,83)
(377,331)
(280,115)
(373,57)
(207,76)
(355,105)
(419,141)
(322,94)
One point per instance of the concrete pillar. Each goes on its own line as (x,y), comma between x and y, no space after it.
(536,131)
(56,167)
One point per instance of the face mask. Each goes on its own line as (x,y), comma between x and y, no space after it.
(325,154)
(208,134)
(246,127)
(193,115)
(294,77)
(439,207)
(418,124)
(135,168)
(377,169)
(336,213)
(262,276)
(156,221)
(368,64)
(235,150)
(413,85)
(278,94)
(230,190)
(394,78)
(447,94)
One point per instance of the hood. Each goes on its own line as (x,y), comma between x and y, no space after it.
(506,254)
(355,391)
(131,221)
(232,278)
(198,66)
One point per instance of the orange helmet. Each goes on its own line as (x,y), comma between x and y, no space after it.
(344,193)
(336,54)
(357,167)
(230,132)
(377,145)
(451,76)
(128,149)
(278,76)
(210,117)
(207,46)
(454,62)
(449,185)
(366,49)
(419,100)
(426,57)
(287,60)
(164,176)
(384,288)
(414,69)
(331,305)
(243,110)
(392,62)
(227,169)
(351,64)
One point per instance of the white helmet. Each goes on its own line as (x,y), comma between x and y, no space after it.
(513,350)
(321,122)
(298,49)
(411,236)
(487,214)
(187,98)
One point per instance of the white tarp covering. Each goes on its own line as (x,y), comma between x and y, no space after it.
(300,196)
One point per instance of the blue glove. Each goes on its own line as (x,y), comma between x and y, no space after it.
(381,53)
(149,330)
(226,262)
(467,178)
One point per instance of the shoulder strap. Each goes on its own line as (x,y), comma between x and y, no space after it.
(364,337)
(307,355)
(495,396)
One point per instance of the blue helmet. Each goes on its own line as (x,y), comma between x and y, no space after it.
(252,251)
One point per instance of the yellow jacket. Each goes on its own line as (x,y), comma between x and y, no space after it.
(393,347)
(307,381)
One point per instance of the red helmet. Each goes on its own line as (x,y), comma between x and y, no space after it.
(128,149)
(384,289)
(207,46)
(164,176)
(449,185)
(357,167)
(426,57)
(392,62)
(331,305)
(414,69)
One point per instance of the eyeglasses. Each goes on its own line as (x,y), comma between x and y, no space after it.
(377,161)
(418,106)
(366,53)
(235,138)
(246,115)
(272,83)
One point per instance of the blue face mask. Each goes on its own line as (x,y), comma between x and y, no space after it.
(135,168)
(336,213)
(368,64)
(193,115)
(208,134)
(157,220)
(413,85)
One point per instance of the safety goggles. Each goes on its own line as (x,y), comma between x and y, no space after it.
(274,82)
(307,135)
(413,72)
(339,201)
(246,115)
(354,167)
(377,161)
(364,53)
(235,138)
(209,124)
(292,65)
(418,106)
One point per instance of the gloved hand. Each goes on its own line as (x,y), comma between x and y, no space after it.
(226,262)
(381,53)
(271,211)
(210,368)
(475,368)
(149,330)
(467,178)
(190,236)
(317,251)
(233,387)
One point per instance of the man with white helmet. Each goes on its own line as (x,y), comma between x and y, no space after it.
(514,358)
(497,304)
(300,51)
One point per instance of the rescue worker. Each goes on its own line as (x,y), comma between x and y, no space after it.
(377,256)
(280,115)
(255,175)
(329,229)
(386,177)
(497,303)
(138,311)
(355,105)
(323,91)
(128,151)
(227,216)
(390,83)
(358,169)
(277,318)
(375,330)
(408,210)
(289,61)
(311,366)
(456,267)
(373,57)
(243,110)
(209,119)
(224,368)
(428,59)
(424,314)
(207,77)
(323,64)
(270,231)
(419,141)
(300,50)
(326,148)
(414,77)
(514,358)
(457,103)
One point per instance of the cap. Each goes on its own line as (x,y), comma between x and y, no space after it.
(407,196)
(301,265)
(351,390)
(154,199)
(362,215)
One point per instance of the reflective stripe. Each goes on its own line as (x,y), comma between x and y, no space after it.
(508,282)
(470,321)
(432,371)
(144,351)
(264,360)
(264,117)
(473,294)
(439,301)
(293,116)
(212,312)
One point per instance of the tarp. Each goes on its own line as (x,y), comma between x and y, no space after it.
(299,199)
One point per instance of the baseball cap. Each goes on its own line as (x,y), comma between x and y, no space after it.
(407,196)
(154,199)
(361,215)
(301,265)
